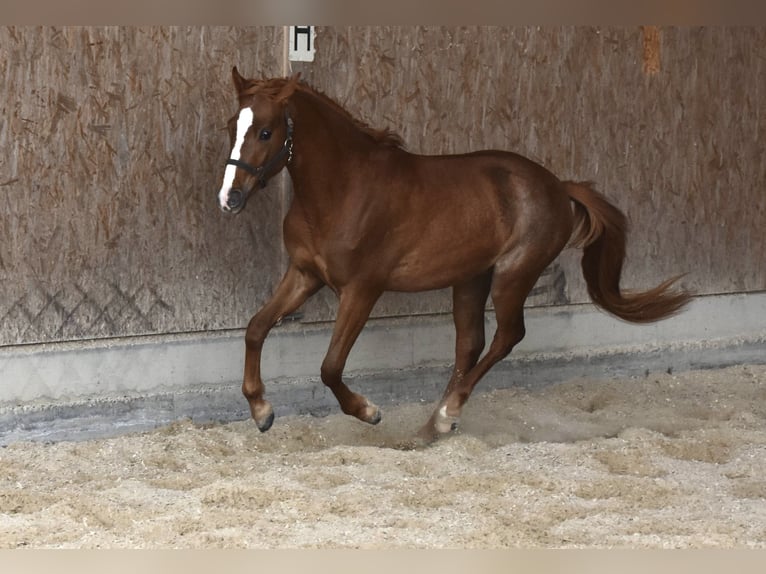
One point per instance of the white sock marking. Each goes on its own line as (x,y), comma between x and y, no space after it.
(244,121)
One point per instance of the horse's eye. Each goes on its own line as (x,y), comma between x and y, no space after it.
(265,135)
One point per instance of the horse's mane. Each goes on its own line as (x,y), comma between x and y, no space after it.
(273,87)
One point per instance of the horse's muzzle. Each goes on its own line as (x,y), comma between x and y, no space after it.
(235,201)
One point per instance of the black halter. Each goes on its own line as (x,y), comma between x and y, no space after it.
(262,172)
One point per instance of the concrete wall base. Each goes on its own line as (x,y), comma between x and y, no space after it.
(74,391)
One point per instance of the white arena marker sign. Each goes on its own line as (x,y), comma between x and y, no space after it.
(301,40)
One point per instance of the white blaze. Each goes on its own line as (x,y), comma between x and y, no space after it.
(244,121)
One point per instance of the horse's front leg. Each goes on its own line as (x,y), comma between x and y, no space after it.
(296,286)
(353,312)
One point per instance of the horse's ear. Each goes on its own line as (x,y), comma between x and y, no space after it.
(239,81)
(289,88)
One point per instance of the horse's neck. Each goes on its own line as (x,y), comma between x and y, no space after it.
(326,141)
(329,126)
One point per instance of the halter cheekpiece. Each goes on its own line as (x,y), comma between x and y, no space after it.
(261,172)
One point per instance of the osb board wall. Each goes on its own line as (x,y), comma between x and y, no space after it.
(113,145)
(668,122)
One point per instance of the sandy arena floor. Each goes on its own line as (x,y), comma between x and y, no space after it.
(662,461)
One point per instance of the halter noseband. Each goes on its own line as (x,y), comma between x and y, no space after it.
(261,172)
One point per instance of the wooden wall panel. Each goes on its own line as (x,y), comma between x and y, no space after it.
(113,145)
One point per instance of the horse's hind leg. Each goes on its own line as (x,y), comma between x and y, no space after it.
(468,302)
(513,279)
(353,312)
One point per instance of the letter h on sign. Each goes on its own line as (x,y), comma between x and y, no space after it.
(301,40)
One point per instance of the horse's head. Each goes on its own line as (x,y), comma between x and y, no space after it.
(261,136)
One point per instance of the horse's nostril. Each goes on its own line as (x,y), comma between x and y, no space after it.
(235,199)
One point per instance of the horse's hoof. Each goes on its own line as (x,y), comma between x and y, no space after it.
(445,423)
(263,415)
(265,425)
(373,417)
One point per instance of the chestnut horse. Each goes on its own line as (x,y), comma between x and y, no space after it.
(367,217)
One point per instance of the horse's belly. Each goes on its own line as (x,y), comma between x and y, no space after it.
(427,271)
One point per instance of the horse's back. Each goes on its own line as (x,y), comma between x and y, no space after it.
(490,190)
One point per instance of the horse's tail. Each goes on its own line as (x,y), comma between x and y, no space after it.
(600,230)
